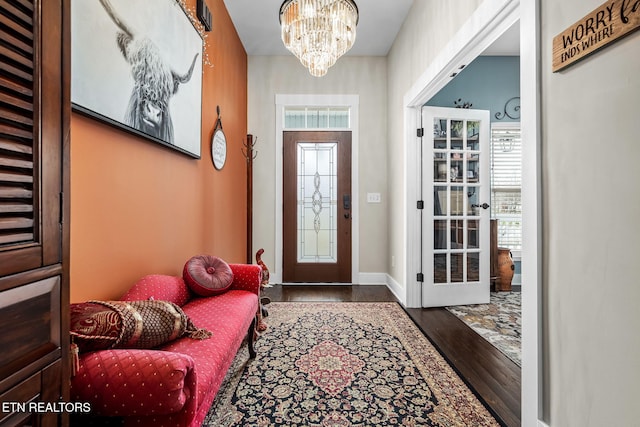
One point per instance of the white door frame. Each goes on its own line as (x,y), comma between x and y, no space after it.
(486,24)
(352,102)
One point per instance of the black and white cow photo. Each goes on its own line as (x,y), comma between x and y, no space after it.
(139,64)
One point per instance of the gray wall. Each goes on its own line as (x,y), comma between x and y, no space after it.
(591,227)
(363,76)
(427,30)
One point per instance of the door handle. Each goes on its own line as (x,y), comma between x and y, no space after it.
(346,204)
(483,206)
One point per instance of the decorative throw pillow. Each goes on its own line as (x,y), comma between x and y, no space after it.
(99,325)
(207,275)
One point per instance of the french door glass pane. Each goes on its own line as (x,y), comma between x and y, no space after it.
(473,267)
(457,234)
(440,234)
(457,267)
(440,268)
(317,202)
(473,238)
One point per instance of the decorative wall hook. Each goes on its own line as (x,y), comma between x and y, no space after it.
(219,121)
(511,109)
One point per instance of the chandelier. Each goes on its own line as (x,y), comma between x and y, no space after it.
(318,32)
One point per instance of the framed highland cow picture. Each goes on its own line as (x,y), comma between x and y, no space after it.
(137,65)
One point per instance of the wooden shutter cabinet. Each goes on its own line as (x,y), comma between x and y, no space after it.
(34,208)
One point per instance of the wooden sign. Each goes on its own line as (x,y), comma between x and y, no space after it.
(607,23)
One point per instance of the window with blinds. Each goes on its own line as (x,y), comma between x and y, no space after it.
(17,198)
(506,183)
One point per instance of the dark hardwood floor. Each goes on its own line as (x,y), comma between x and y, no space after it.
(493,377)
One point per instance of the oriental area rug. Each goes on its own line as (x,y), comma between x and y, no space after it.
(498,322)
(343,364)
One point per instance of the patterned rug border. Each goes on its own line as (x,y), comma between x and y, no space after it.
(453,394)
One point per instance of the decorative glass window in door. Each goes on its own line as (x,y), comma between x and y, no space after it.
(317,202)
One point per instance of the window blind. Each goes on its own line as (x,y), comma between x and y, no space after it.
(506,183)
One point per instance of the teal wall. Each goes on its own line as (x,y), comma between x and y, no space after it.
(487,83)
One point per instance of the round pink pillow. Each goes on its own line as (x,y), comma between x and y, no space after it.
(207,275)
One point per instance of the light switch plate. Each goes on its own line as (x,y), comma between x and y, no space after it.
(373,198)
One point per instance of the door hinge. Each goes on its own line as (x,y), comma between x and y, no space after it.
(420,132)
(420,277)
(420,204)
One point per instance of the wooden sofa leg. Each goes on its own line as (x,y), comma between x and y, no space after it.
(252,339)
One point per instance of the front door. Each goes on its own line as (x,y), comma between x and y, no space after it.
(316,207)
(456,181)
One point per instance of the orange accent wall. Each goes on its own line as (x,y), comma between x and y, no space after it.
(140,208)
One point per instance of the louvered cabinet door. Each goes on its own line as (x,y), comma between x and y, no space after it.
(30,135)
(34,239)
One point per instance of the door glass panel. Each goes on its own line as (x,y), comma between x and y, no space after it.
(317,203)
(440,234)
(457,201)
(473,267)
(440,268)
(457,267)
(473,171)
(440,169)
(473,234)
(473,129)
(456,171)
(473,199)
(457,234)
(440,201)
(439,134)
(457,131)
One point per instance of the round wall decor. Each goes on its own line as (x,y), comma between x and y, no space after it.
(218,149)
(218,144)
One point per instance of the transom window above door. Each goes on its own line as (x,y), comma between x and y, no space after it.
(317,118)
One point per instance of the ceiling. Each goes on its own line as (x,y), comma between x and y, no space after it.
(380,20)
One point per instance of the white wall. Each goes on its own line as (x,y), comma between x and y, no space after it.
(363,76)
(591,203)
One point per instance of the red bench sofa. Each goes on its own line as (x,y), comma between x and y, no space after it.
(175,384)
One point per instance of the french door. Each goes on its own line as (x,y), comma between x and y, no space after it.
(455,220)
(317,207)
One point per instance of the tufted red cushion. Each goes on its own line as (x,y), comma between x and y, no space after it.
(207,275)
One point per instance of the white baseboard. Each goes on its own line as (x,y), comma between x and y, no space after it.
(372,279)
(396,289)
(385,280)
(542,424)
